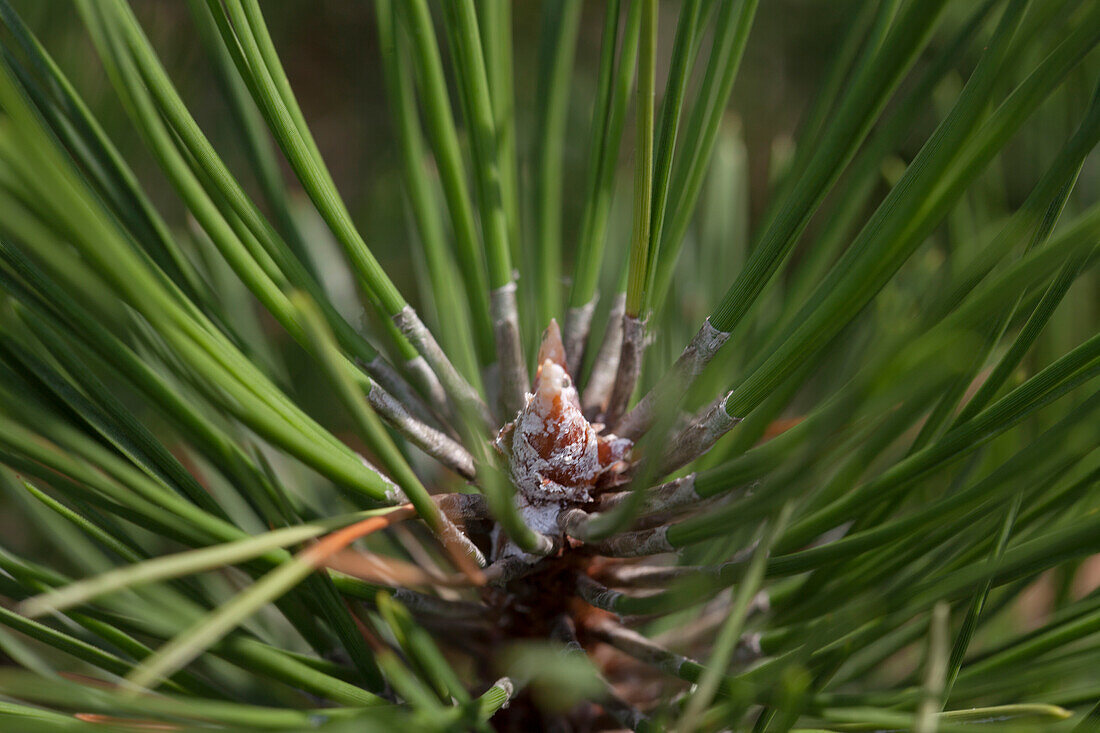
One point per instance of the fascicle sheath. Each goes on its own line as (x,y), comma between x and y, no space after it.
(457,388)
(574,523)
(578,322)
(394,494)
(509,568)
(464,507)
(636,544)
(698,436)
(690,364)
(453,535)
(383,372)
(421,603)
(641,648)
(598,390)
(646,576)
(437,445)
(630,366)
(513,371)
(670,495)
(425,379)
(596,594)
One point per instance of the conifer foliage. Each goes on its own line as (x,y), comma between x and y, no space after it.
(787,457)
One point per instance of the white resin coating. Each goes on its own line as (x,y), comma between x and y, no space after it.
(556,457)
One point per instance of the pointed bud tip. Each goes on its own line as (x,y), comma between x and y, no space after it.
(552,347)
